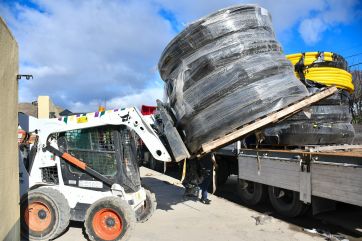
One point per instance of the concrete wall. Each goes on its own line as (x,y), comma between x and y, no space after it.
(9,174)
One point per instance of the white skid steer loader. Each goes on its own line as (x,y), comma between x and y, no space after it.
(84,168)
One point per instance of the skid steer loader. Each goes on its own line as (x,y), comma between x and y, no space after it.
(84,168)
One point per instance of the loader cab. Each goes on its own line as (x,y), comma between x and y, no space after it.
(110,150)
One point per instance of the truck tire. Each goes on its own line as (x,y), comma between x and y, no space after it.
(251,193)
(286,202)
(45,214)
(109,218)
(148,208)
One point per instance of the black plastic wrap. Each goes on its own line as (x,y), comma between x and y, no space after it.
(326,122)
(321,113)
(299,134)
(225,70)
(208,29)
(342,97)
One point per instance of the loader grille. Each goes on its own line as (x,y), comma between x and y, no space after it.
(50,175)
(95,147)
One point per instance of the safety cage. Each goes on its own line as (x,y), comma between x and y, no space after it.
(109,150)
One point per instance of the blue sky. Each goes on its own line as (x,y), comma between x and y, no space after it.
(82,52)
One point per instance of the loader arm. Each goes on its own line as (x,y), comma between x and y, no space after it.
(129,117)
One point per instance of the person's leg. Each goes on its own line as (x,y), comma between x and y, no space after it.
(203,192)
(204,187)
(190,182)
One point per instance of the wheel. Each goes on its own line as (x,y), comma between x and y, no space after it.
(251,193)
(286,202)
(109,218)
(45,214)
(148,208)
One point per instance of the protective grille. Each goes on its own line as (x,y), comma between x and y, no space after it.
(128,140)
(95,147)
(50,175)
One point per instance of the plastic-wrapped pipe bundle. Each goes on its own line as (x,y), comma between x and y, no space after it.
(225,70)
(326,122)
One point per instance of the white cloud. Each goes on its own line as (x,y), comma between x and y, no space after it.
(81,52)
(144,97)
(335,12)
(311,30)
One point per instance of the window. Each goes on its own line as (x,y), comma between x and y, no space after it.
(95,147)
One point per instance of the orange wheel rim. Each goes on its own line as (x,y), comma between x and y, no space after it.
(107,224)
(37,216)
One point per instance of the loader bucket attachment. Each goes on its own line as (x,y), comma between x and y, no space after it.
(175,144)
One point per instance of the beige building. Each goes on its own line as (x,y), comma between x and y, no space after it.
(47,109)
(9,173)
(43,108)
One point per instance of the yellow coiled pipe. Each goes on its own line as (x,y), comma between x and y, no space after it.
(309,57)
(324,75)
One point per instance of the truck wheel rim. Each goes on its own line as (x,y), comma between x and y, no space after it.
(250,187)
(286,198)
(37,216)
(107,224)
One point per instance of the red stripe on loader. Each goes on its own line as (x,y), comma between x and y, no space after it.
(74,161)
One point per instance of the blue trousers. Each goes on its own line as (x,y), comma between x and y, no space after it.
(204,186)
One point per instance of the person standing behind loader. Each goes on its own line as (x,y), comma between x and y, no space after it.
(206,171)
(198,177)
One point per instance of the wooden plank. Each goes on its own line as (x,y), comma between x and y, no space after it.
(298,106)
(302,152)
(334,148)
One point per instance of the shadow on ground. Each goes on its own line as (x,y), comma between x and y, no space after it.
(166,201)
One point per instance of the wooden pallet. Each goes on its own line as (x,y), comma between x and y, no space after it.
(268,119)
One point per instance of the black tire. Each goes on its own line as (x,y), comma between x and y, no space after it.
(222,173)
(148,208)
(288,204)
(305,209)
(109,218)
(251,193)
(52,215)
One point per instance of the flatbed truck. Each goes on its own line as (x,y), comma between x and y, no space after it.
(295,179)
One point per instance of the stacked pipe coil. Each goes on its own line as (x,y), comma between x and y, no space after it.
(328,121)
(225,70)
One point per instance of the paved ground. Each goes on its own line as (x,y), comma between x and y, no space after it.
(345,221)
(179,219)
